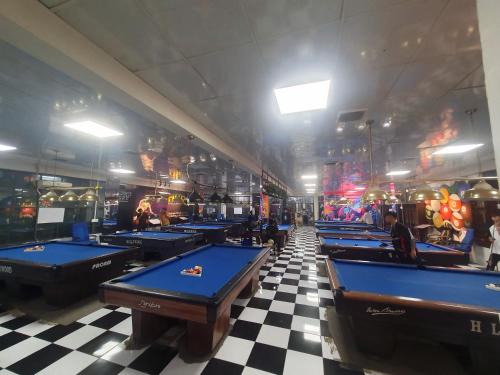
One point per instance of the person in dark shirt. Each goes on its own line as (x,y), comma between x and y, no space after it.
(402,239)
(286,217)
(142,219)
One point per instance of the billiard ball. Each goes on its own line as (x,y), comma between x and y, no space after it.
(437,220)
(454,202)
(457,220)
(445,212)
(444,192)
(435,205)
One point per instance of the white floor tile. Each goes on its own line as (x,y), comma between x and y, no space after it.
(265,293)
(235,350)
(119,354)
(308,325)
(330,350)
(324,293)
(308,284)
(322,279)
(254,371)
(34,328)
(80,337)
(310,299)
(241,301)
(5,318)
(125,310)
(288,288)
(275,336)
(292,276)
(253,315)
(6,372)
(302,363)
(124,327)
(178,367)
(294,267)
(72,363)
(4,331)
(282,307)
(21,350)
(94,316)
(129,371)
(278,269)
(272,279)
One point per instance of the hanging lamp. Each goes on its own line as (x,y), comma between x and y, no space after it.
(69,196)
(481,192)
(423,193)
(89,196)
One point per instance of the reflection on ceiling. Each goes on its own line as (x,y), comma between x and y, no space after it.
(412,66)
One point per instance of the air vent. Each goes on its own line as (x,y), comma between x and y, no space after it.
(351,116)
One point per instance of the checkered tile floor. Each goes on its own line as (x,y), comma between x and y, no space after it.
(281,330)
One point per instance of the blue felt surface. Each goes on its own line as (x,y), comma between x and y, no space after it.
(421,246)
(280,227)
(58,253)
(347,231)
(156,235)
(220,264)
(201,226)
(466,287)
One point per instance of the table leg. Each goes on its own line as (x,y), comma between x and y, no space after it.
(146,327)
(250,288)
(202,338)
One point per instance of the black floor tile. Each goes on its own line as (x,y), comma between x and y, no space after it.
(236,311)
(17,323)
(154,359)
(39,360)
(218,367)
(333,367)
(101,367)
(246,330)
(285,297)
(294,271)
(267,358)
(278,319)
(325,302)
(325,286)
(305,343)
(304,290)
(268,286)
(96,344)
(260,303)
(295,263)
(55,333)
(324,329)
(274,273)
(307,311)
(289,282)
(110,320)
(11,338)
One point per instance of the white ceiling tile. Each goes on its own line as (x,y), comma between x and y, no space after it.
(180,76)
(233,70)
(125,31)
(271,18)
(199,27)
(392,36)
(455,31)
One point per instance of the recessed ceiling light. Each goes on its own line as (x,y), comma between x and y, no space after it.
(309,176)
(7,147)
(237,193)
(397,173)
(359,188)
(387,123)
(177,181)
(310,185)
(458,149)
(340,129)
(301,98)
(121,171)
(93,128)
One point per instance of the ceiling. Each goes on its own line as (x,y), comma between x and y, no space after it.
(416,63)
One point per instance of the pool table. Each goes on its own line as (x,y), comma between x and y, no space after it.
(381,301)
(161,293)
(284,233)
(376,250)
(163,245)
(353,233)
(213,233)
(236,228)
(352,225)
(65,271)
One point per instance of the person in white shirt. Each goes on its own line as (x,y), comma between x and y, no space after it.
(495,242)
(367,217)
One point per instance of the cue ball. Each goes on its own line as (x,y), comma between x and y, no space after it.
(445,212)
(435,205)
(455,203)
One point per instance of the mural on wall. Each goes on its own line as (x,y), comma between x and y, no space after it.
(451,216)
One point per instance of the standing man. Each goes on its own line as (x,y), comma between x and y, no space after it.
(495,241)
(402,239)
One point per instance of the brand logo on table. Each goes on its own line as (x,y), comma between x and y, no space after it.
(101,265)
(385,311)
(489,328)
(133,242)
(148,305)
(338,251)
(189,240)
(6,269)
